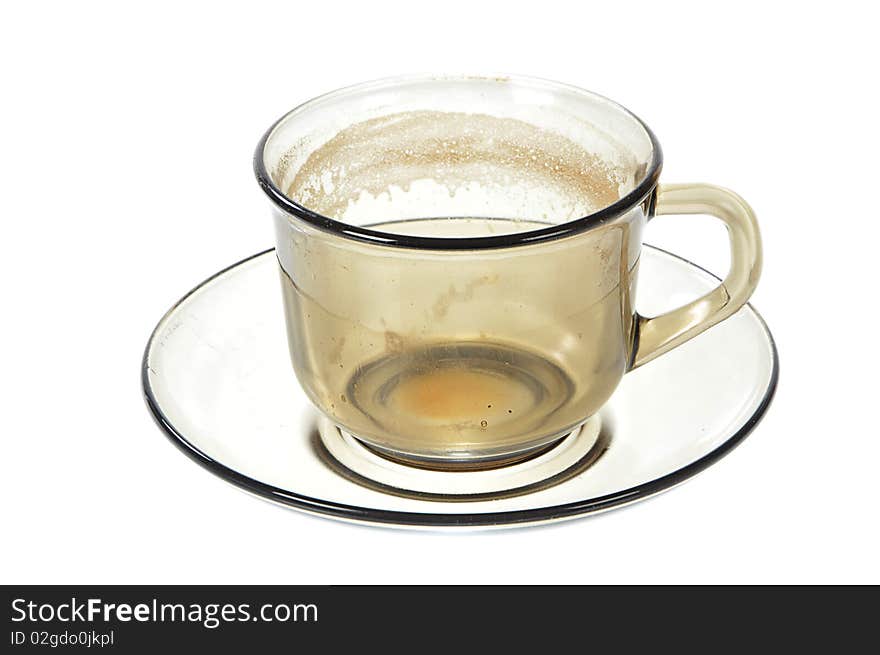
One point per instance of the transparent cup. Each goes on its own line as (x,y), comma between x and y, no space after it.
(459,255)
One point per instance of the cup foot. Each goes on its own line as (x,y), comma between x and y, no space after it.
(525,473)
(449,464)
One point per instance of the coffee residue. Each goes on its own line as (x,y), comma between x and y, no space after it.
(453,150)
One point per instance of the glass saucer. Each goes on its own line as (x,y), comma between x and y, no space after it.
(217,378)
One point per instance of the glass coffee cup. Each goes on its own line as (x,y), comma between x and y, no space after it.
(459,255)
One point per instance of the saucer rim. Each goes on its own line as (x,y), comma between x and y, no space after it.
(532,515)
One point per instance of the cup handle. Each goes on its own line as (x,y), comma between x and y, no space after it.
(661,334)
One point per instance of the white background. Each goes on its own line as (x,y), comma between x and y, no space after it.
(125,145)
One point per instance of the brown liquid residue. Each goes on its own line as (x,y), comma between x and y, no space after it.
(453,295)
(452,394)
(453,149)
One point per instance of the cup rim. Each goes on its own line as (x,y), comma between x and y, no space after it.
(377,237)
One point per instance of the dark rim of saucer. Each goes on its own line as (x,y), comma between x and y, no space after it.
(372,515)
(642,192)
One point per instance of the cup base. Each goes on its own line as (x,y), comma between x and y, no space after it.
(450,392)
(534,470)
(451,464)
